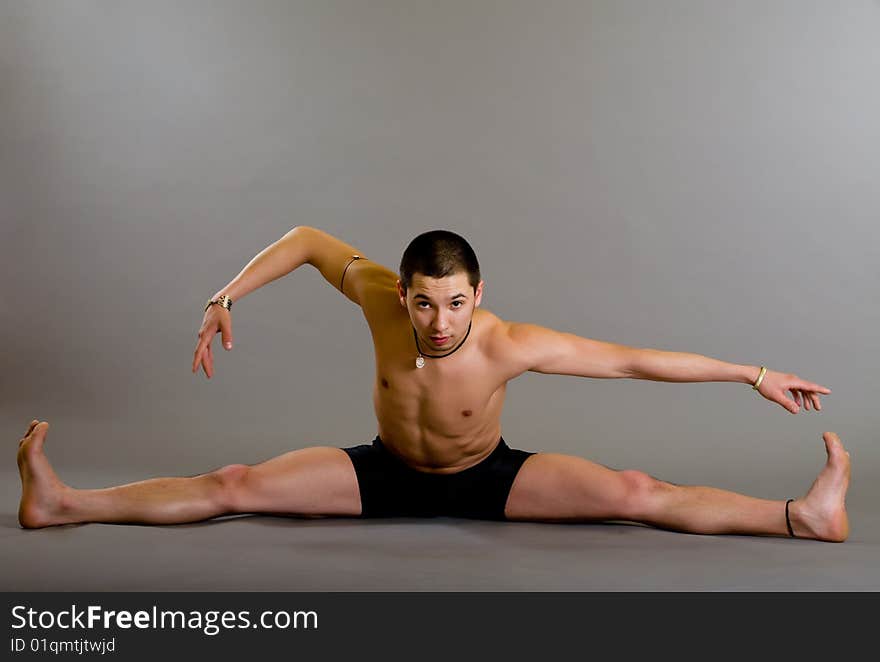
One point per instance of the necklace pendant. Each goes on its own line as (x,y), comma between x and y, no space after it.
(420,362)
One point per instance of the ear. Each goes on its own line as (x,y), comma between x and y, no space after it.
(401,294)
(478,295)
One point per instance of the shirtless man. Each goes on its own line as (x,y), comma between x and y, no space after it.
(442,367)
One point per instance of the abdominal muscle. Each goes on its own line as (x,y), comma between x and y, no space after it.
(431,436)
(445,416)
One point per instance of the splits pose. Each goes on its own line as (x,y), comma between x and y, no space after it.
(442,368)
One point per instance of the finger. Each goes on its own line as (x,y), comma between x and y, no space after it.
(816,404)
(199,351)
(226,331)
(796,396)
(204,344)
(210,355)
(806,398)
(199,355)
(205,359)
(815,388)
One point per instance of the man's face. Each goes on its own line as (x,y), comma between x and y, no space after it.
(440,308)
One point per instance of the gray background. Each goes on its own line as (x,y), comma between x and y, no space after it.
(691,176)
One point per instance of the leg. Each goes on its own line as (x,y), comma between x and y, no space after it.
(310,481)
(553,487)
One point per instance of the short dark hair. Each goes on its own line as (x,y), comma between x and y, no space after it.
(439,253)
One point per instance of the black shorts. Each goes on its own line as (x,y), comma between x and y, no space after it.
(391,488)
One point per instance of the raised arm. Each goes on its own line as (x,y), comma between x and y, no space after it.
(302,245)
(278,259)
(333,257)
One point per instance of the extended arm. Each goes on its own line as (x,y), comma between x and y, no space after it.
(662,366)
(535,348)
(665,366)
(539,349)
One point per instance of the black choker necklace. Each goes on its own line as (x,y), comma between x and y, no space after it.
(420,361)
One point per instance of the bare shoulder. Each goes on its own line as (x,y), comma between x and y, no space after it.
(531,347)
(525,346)
(504,341)
(493,327)
(506,334)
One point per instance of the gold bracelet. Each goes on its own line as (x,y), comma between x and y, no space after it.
(760,378)
(222,300)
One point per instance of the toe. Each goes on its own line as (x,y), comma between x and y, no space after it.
(837,454)
(39,434)
(831,439)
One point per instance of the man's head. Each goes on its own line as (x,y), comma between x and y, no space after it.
(440,286)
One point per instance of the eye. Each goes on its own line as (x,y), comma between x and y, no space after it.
(458,302)
(420,303)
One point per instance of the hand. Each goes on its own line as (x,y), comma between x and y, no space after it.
(804,393)
(217,318)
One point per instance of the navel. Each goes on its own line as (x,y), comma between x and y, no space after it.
(467,412)
(384,382)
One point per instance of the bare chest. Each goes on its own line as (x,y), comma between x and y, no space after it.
(461,387)
(447,396)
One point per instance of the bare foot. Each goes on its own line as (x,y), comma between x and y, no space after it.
(41,490)
(821,514)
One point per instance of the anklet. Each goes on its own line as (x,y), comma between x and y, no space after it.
(787,520)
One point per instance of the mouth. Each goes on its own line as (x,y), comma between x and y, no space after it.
(439,340)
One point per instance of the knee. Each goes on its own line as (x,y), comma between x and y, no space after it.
(640,490)
(231,481)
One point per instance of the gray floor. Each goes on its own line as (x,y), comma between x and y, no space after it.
(287,554)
